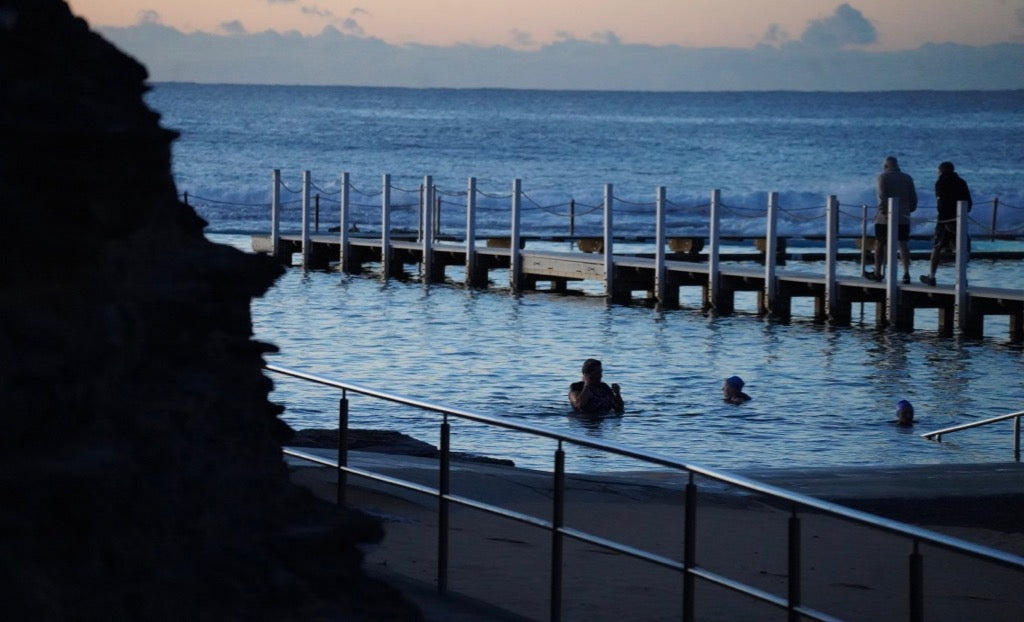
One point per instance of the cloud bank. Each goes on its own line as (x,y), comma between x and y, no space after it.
(826,56)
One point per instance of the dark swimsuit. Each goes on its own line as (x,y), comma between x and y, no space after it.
(602,398)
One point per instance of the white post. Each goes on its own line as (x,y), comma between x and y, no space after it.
(892,266)
(863,237)
(343,250)
(713,248)
(305,219)
(515,263)
(770,247)
(385,225)
(427,214)
(275,214)
(831,254)
(470,229)
(962,258)
(660,286)
(609,260)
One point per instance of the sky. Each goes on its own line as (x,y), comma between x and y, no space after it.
(546,43)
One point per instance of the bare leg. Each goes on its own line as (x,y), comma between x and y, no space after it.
(904,257)
(879,257)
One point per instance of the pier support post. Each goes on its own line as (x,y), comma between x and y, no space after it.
(836,312)
(661,289)
(960,294)
(515,268)
(713,294)
(771,285)
(306,247)
(609,261)
(344,253)
(892,291)
(387,267)
(473,277)
(431,273)
(275,215)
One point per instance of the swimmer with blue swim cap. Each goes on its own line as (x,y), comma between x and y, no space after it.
(732,390)
(904,413)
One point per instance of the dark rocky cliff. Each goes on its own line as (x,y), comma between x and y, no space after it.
(140,456)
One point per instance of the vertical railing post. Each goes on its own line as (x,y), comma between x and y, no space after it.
(689,550)
(471,232)
(515,258)
(427,215)
(995,210)
(863,237)
(916,585)
(714,282)
(275,214)
(793,593)
(892,266)
(444,489)
(316,213)
(557,522)
(572,217)
(342,448)
(385,226)
(344,253)
(831,256)
(305,220)
(1016,439)
(660,287)
(962,258)
(771,245)
(609,261)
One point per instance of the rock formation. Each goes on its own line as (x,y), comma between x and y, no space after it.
(140,456)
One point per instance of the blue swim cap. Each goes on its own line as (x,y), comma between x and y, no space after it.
(735,382)
(902,404)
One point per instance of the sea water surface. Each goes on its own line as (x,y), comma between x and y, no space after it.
(823,396)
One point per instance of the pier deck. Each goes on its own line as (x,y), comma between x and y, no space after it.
(631,273)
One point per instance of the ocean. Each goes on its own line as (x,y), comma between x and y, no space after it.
(822,396)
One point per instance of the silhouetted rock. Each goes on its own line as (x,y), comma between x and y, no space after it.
(140,456)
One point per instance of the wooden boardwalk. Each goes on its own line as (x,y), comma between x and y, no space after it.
(775,287)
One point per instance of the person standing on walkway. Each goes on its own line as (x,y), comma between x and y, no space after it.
(591,395)
(950,189)
(893,184)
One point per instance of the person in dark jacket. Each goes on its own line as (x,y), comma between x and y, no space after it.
(950,189)
(591,395)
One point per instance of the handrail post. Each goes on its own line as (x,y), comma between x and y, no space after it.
(689,550)
(995,210)
(275,214)
(557,522)
(794,566)
(342,448)
(443,489)
(609,261)
(1016,439)
(916,585)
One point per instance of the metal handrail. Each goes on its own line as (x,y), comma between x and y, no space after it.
(937,434)
(688,568)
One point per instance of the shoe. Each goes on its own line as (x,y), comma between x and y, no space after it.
(906,278)
(928,280)
(872,276)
